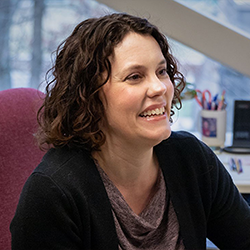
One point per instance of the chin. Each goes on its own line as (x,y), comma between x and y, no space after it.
(166,136)
(158,139)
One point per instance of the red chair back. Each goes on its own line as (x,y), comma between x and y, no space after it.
(19,154)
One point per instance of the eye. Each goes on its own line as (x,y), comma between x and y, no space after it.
(163,72)
(133,77)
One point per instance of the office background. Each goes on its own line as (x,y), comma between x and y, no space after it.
(32,29)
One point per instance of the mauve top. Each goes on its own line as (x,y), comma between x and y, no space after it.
(156,227)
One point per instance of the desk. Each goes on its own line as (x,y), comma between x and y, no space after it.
(241,180)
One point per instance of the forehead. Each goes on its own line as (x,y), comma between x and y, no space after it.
(132,40)
(136,47)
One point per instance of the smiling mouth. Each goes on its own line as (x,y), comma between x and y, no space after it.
(154,112)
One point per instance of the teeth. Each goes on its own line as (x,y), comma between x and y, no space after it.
(157,111)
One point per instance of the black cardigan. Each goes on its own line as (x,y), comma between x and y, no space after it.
(64,204)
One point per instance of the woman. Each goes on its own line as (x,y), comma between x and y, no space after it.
(116,177)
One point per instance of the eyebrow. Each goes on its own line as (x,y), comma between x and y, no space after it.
(132,67)
(135,67)
(163,61)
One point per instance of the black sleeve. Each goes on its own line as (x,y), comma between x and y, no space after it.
(45,218)
(229,221)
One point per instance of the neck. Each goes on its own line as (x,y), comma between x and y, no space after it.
(127,165)
(134,172)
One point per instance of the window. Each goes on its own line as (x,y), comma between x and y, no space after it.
(206,73)
(57,18)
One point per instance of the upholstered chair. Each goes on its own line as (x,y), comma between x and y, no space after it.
(19,153)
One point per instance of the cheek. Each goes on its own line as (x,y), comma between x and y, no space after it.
(125,97)
(170,96)
(170,92)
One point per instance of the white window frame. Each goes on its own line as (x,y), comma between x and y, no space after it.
(226,44)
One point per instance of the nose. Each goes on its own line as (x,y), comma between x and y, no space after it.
(156,87)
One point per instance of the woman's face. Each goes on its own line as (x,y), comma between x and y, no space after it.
(137,98)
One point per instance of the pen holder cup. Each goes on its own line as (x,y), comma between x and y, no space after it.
(213,127)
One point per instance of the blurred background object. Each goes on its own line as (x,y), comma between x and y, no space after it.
(32,29)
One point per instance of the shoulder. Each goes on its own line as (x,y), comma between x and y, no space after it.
(185,153)
(68,173)
(182,136)
(60,160)
(183,142)
(69,169)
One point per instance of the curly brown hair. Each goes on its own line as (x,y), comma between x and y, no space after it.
(72,110)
